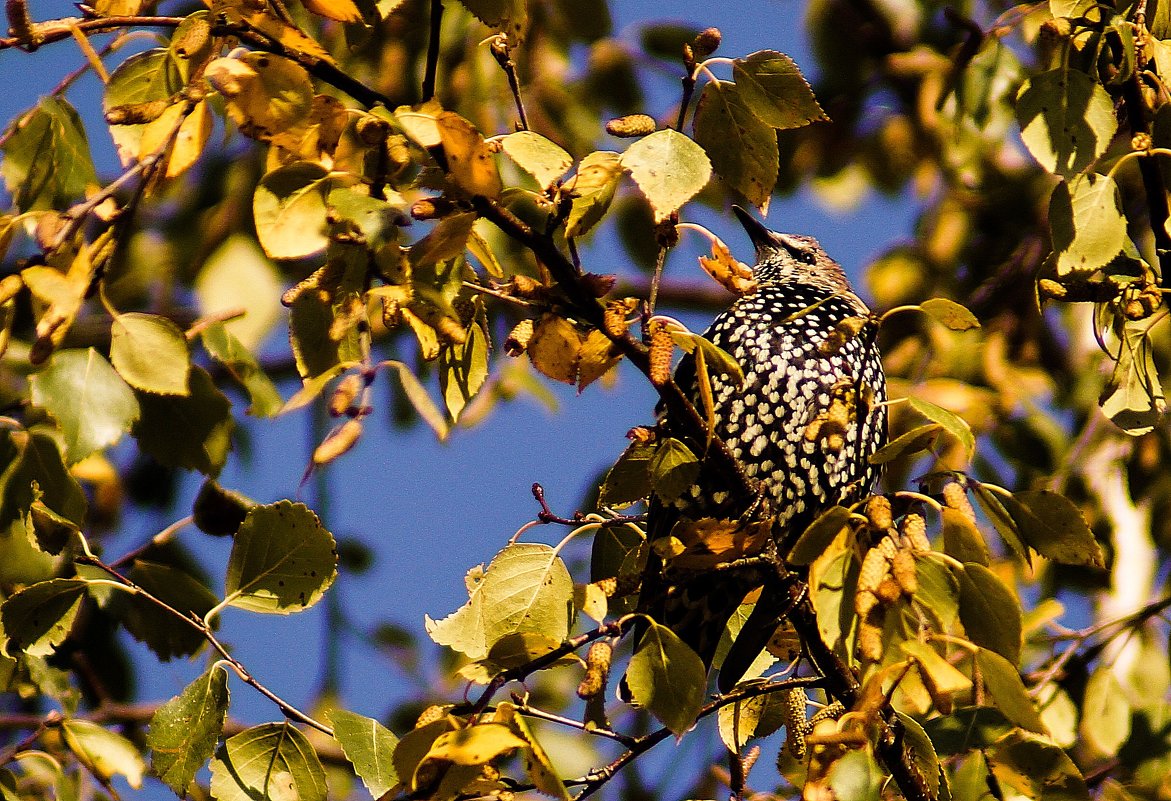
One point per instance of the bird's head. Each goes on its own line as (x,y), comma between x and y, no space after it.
(791,258)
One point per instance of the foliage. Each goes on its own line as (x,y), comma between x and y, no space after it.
(923,651)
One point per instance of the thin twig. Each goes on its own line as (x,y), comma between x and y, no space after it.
(432,50)
(205,631)
(502,52)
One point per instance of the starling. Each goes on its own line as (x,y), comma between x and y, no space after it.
(802,425)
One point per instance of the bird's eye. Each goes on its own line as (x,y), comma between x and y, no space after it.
(807,256)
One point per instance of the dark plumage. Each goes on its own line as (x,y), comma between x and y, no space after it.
(804,424)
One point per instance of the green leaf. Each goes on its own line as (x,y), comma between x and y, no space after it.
(463,630)
(922,752)
(375,219)
(755,717)
(593,187)
(668,678)
(1052,525)
(157,628)
(546,161)
(1133,398)
(223,346)
(463,369)
(629,480)
(914,441)
(1009,532)
(370,748)
(53,532)
(668,168)
(89,400)
(990,612)
(944,677)
(38,618)
(1066,118)
(184,731)
(103,751)
(269,761)
(743,149)
(949,314)
(142,78)
(817,537)
(952,423)
(1105,723)
(289,208)
(219,511)
(968,728)
(962,540)
(775,90)
(1087,225)
(30,457)
(1006,691)
(673,468)
(193,431)
(1028,766)
(939,589)
(506,16)
(527,588)
(282,560)
(762,662)
(46,162)
(151,353)
(416,393)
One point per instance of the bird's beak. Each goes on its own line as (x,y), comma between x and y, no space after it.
(761,237)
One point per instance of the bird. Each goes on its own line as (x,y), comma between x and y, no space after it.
(802,425)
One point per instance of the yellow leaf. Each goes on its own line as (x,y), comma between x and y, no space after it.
(475,745)
(341,10)
(597,356)
(555,348)
(593,187)
(470,164)
(730,273)
(266,94)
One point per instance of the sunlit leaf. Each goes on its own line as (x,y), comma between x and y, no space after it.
(265,93)
(370,748)
(667,678)
(952,423)
(1030,766)
(593,186)
(237,277)
(463,369)
(269,761)
(1055,527)
(342,11)
(537,762)
(990,612)
(949,314)
(546,161)
(819,535)
(184,731)
(1088,228)
(914,441)
(673,468)
(289,208)
(282,560)
(478,744)
(89,400)
(1066,119)
(470,163)
(103,751)
(668,168)
(1006,691)
(1105,713)
(151,353)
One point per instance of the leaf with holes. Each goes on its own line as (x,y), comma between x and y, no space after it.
(282,560)
(38,618)
(184,731)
